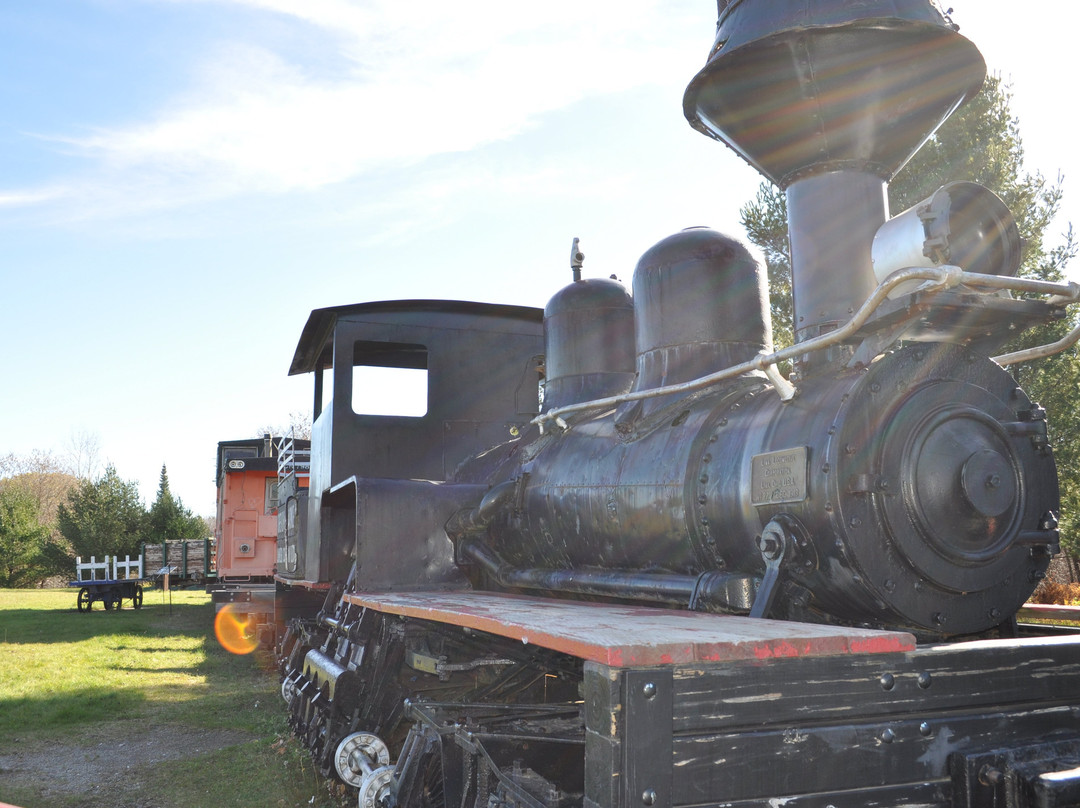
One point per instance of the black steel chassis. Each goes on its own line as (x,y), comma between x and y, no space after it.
(979,724)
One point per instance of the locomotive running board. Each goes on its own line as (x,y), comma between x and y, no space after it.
(632,636)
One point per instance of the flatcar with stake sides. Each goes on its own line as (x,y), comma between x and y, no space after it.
(682,579)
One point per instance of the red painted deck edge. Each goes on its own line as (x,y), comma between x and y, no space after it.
(625,636)
(322,586)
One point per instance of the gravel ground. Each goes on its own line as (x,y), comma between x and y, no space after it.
(105,764)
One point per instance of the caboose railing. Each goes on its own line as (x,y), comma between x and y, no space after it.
(293,460)
(935,279)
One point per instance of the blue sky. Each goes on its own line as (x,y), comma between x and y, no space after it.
(184,180)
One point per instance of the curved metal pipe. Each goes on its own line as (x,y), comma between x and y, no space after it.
(726,591)
(1040,351)
(476,518)
(946,277)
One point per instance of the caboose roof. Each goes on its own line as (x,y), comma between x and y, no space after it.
(260,461)
(315,348)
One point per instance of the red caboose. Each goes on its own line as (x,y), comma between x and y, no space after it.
(246,531)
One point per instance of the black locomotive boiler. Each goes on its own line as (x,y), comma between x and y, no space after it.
(682,578)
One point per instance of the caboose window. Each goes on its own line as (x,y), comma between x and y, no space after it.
(390,378)
(271,498)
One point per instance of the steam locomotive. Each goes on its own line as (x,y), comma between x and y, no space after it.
(681,578)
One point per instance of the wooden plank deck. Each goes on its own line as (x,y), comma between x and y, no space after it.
(632,636)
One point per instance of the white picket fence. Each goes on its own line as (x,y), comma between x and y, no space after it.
(89,571)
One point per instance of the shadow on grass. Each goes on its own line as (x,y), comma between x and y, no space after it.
(65,710)
(34,626)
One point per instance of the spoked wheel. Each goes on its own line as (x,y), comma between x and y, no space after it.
(136,598)
(357,756)
(375,788)
(84,602)
(288,690)
(116,598)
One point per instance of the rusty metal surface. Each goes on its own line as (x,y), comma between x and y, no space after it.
(623,636)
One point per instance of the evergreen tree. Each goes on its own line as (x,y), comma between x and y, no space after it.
(28,553)
(103,516)
(980,143)
(169,520)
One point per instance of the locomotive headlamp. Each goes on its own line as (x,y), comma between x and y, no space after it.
(961,224)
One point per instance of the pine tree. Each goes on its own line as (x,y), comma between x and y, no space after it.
(168,519)
(28,553)
(103,516)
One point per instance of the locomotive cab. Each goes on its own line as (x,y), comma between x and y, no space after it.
(478,368)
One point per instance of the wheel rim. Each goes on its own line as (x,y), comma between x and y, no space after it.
(288,690)
(358,755)
(136,599)
(84,603)
(375,788)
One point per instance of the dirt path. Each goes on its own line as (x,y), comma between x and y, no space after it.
(105,765)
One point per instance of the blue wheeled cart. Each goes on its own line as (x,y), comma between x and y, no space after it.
(111,591)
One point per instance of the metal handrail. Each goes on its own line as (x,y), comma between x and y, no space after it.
(1040,351)
(292,460)
(937,278)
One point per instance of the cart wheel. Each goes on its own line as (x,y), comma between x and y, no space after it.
(136,598)
(117,598)
(84,601)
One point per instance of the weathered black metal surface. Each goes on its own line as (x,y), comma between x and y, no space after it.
(832,219)
(482,389)
(923,496)
(700,304)
(831,84)
(588,342)
(875,730)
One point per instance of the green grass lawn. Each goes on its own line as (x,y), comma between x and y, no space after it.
(69,679)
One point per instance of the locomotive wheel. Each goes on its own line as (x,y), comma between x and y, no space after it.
(136,598)
(375,788)
(357,757)
(288,690)
(84,602)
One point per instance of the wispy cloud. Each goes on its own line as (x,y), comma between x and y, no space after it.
(20,199)
(409,81)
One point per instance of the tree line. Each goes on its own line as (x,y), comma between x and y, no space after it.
(52,510)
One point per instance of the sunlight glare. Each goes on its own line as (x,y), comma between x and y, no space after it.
(235,631)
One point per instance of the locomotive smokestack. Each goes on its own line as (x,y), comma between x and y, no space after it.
(828,99)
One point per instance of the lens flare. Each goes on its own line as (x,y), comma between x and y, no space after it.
(235,631)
